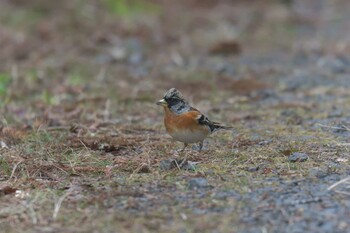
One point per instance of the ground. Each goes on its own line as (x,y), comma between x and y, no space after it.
(83,146)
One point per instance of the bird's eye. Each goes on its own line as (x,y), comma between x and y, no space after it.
(172,101)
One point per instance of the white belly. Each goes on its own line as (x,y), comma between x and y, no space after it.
(189,136)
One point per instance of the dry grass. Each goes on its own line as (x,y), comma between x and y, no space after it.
(81,140)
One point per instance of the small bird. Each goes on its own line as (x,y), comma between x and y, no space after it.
(185,123)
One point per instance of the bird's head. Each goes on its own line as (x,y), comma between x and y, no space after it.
(174,100)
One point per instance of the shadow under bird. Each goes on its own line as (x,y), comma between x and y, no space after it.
(183,122)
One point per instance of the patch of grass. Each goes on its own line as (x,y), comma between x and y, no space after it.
(5,80)
(5,167)
(24,18)
(47,97)
(126,8)
(76,79)
(32,77)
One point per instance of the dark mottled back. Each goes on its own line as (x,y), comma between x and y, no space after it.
(176,101)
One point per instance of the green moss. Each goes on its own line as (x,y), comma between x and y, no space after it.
(5,81)
(5,167)
(127,8)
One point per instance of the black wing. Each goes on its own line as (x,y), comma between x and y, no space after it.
(213,126)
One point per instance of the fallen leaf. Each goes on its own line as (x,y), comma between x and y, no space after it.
(3,144)
(231,47)
(5,190)
(342,160)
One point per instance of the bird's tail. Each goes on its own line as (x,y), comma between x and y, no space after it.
(218,126)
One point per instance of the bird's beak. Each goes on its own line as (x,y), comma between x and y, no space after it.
(162,102)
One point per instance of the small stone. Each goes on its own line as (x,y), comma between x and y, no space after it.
(298,157)
(253,169)
(188,165)
(334,64)
(318,173)
(198,183)
(118,53)
(265,142)
(167,164)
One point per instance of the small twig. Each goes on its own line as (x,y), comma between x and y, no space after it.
(106,112)
(83,144)
(177,165)
(58,205)
(338,183)
(14,170)
(28,205)
(58,167)
(32,214)
(343,192)
(57,128)
(101,74)
(343,144)
(14,73)
(343,127)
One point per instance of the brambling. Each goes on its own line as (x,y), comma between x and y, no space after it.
(185,123)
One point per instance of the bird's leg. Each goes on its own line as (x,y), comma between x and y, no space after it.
(183,148)
(200,146)
(185,158)
(185,145)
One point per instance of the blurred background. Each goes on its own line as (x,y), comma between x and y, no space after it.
(83,146)
(93,59)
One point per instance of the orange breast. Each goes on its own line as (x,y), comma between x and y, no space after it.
(185,121)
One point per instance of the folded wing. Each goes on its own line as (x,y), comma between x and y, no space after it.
(213,126)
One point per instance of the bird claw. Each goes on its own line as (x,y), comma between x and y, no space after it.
(198,148)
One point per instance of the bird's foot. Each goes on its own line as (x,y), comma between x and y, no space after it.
(199,147)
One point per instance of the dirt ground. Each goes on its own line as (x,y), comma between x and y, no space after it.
(82,143)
